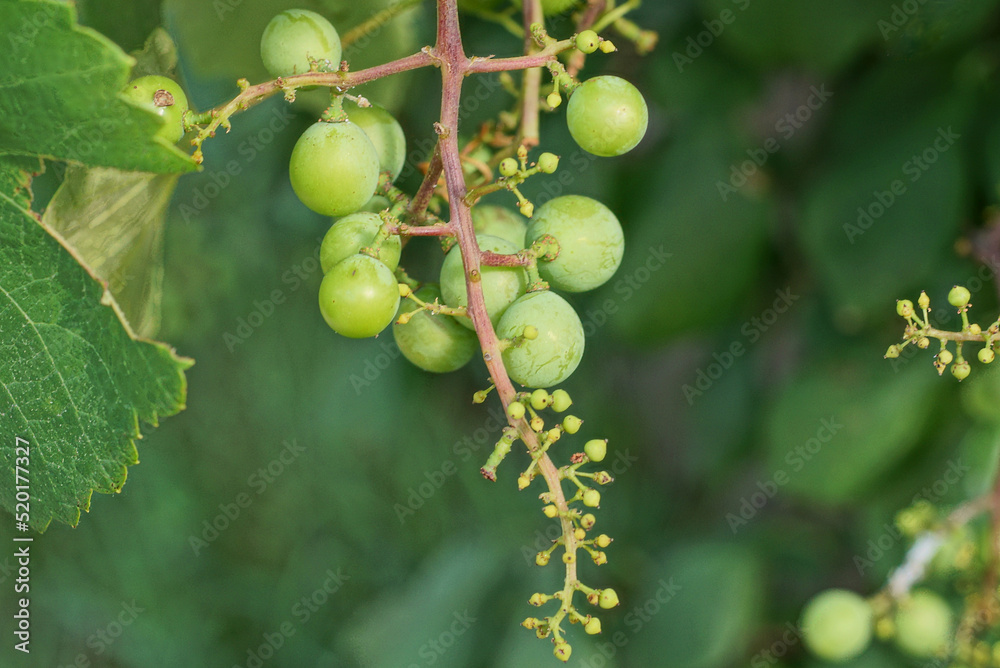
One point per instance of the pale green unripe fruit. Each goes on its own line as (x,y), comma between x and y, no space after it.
(334,168)
(293,37)
(385,134)
(607,116)
(923,624)
(353,232)
(837,625)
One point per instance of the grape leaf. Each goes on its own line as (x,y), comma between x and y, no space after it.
(61,85)
(74,380)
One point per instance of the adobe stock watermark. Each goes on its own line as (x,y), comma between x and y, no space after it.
(899,17)
(293,279)
(435,648)
(797,459)
(300,614)
(258,481)
(248,149)
(914,168)
(752,330)
(622,461)
(786,127)
(104,637)
(770,655)
(636,620)
(696,44)
(625,288)
(879,546)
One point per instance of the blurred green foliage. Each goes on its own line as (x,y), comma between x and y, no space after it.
(706,382)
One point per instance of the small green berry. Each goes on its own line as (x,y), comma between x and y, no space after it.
(596,449)
(608,599)
(550,511)
(945,357)
(553,99)
(603,540)
(548,163)
(536,599)
(553,435)
(975,329)
(562,651)
(479,397)
(904,307)
(516,410)
(959,296)
(571,424)
(540,399)
(508,167)
(600,558)
(592,498)
(569,558)
(536,424)
(607,46)
(961,370)
(561,401)
(530,332)
(923,342)
(579,533)
(588,41)
(923,301)
(526,208)
(592,626)
(588,521)
(542,558)
(892,352)
(986,355)
(523,481)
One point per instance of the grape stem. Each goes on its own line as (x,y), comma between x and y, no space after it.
(454,68)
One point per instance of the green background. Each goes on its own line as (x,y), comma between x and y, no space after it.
(744,322)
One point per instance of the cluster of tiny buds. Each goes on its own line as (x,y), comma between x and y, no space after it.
(602,598)
(514,171)
(919,332)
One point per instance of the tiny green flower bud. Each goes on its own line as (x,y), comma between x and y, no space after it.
(975,329)
(600,558)
(986,355)
(523,481)
(579,533)
(562,651)
(405,290)
(594,597)
(588,521)
(923,301)
(607,46)
(959,296)
(904,307)
(945,357)
(569,558)
(608,599)
(526,208)
(592,626)
(603,540)
(404,317)
(561,401)
(892,352)
(592,498)
(536,599)
(548,162)
(587,41)
(536,424)
(508,167)
(553,99)
(515,410)
(540,399)
(923,342)
(550,510)
(479,397)
(596,449)
(961,370)
(542,558)
(571,424)
(553,434)
(530,622)
(530,332)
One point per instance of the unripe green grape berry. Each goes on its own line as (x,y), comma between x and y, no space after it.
(498,221)
(607,46)
(553,435)
(923,301)
(837,625)
(608,599)
(591,242)
(501,285)
(961,370)
(516,410)
(359,297)
(600,558)
(553,99)
(607,116)
(904,307)
(596,449)
(587,41)
(592,498)
(435,343)
(562,651)
(923,624)
(571,424)
(540,399)
(579,533)
(986,355)
(923,343)
(959,296)
(550,511)
(385,134)
(945,357)
(542,558)
(592,627)
(353,232)
(334,168)
(530,332)
(166,98)
(975,329)
(588,521)
(561,401)
(603,540)
(569,558)
(548,163)
(892,352)
(554,355)
(536,424)
(508,167)
(294,36)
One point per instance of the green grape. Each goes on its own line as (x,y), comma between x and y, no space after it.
(591,242)
(596,449)
(500,222)
(959,296)
(359,297)
(165,97)
(384,131)
(434,342)
(554,355)
(293,37)
(837,625)
(587,41)
(923,624)
(501,285)
(607,116)
(353,232)
(334,168)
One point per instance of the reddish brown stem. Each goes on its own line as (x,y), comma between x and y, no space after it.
(491,259)
(438,230)
(420,201)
